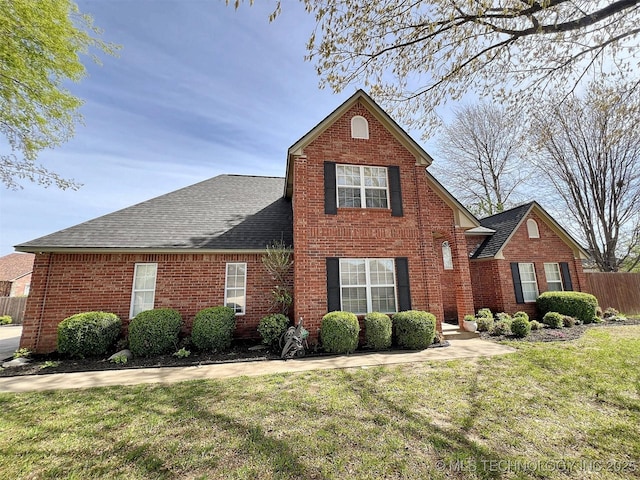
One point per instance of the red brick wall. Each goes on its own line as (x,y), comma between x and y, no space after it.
(492,279)
(367,233)
(77,283)
(18,286)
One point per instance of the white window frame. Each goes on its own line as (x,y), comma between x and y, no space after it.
(528,282)
(548,274)
(363,188)
(134,290)
(368,285)
(359,127)
(532,228)
(447,258)
(243,309)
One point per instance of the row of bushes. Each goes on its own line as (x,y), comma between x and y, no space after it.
(153,332)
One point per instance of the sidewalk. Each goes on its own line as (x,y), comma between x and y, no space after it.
(9,340)
(459,348)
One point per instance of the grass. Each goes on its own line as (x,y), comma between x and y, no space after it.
(552,410)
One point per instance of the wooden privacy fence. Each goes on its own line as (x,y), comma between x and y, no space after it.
(618,290)
(13,306)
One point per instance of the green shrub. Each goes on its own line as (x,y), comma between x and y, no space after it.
(414,329)
(377,329)
(520,327)
(5,319)
(213,328)
(568,321)
(521,314)
(503,327)
(575,304)
(154,332)
(503,317)
(484,313)
(339,332)
(607,315)
(485,324)
(553,320)
(272,327)
(536,325)
(87,334)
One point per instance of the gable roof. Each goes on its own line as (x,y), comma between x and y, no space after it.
(297,149)
(506,223)
(15,266)
(224,213)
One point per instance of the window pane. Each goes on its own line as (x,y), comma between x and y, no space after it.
(527,273)
(349,197)
(529,292)
(381,272)
(354,299)
(348,175)
(352,272)
(376,198)
(375,176)
(552,272)
(235,293)
(383,299)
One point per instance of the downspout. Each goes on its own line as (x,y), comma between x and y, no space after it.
(44,301)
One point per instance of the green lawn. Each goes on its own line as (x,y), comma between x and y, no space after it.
(552,410)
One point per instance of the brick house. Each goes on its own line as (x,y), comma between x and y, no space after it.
(371,230)
(15,274)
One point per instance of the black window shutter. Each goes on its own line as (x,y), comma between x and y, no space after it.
(566,276)
(330,204)
(517,284)
(333,284)
(395,191)
(402,278)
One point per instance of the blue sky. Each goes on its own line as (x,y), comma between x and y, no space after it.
(199,89)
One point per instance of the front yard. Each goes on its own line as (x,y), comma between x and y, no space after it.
(551,410)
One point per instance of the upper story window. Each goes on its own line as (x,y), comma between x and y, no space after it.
(532,228)
(362,187)
(359,127)
(447,259)
(144,288)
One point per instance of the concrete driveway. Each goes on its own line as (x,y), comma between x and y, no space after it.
(9,340)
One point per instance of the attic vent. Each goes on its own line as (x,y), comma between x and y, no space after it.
(532,228)
(359,127)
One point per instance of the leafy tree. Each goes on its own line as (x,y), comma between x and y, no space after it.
(40,44)
(415,55)
(590,152)
(482,151)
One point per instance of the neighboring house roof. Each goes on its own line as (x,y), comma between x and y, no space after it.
(506,223)
(224,213)
(15,266)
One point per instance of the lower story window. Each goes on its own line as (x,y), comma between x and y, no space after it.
(528,281)
(367,285)
(235,290)
(144,288)
(554,278)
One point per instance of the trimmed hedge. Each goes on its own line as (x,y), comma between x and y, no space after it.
(154,332)
(414,329)
(378,331)
(213,328)
(87,334)
(272,327)
(574,304)
(339,332)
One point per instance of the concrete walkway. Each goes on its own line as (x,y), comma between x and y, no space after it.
(9,340)
(462,347)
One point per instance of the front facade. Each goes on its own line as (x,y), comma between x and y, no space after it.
(370,229)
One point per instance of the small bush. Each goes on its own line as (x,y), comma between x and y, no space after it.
(414,329)
(5,319)
(610,313)
(568,321)
(88,334)
(154,332)
(339,332)
(377,329)
(503,317)
(553,320)
(272,327)
(536,325)
(22,353)
(520,327)
(575,304)
(213,328)
(502,327)
(521,314)
(182,353)
(484,313)
(485,324)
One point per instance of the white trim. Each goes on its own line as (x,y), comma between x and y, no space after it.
(532,228)
(368,285)
(134,290)
(362,187)
(359,127)
(243,288)
(554,281)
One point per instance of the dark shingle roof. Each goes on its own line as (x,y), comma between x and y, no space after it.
(504,224)
(228,212)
